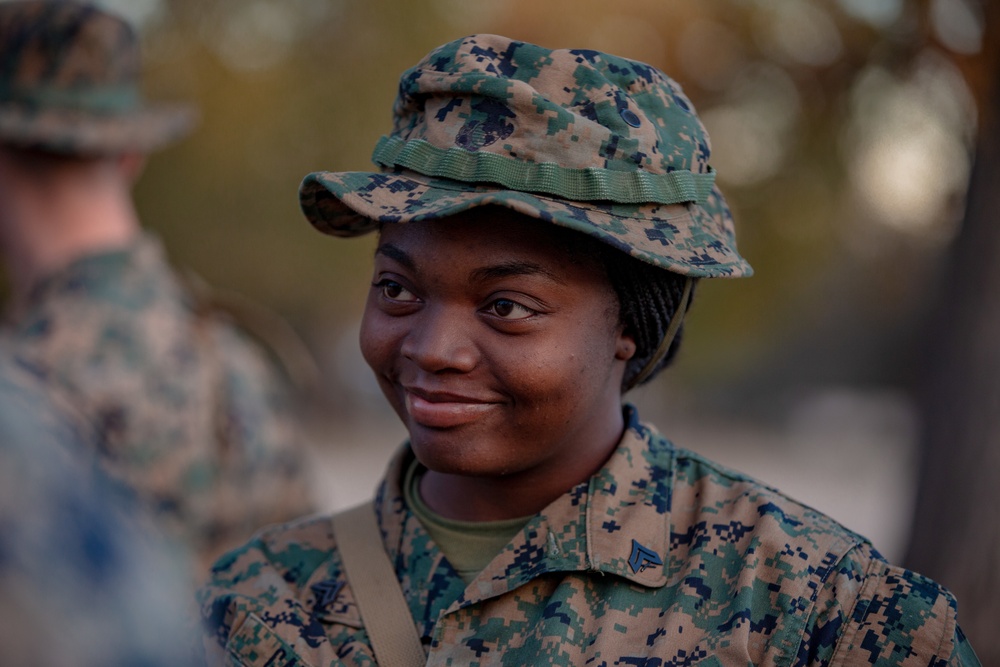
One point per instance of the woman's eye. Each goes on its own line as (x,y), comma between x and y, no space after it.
(509,310)
(390,289)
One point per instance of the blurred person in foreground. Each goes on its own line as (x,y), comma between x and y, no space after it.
(84,580)
(187,409)
(543,216)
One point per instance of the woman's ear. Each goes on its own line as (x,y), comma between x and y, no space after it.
(625,347)
(131,166)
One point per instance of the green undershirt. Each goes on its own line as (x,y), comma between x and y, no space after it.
(468,545)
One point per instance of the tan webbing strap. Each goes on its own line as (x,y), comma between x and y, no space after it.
(668,337)
(384,611)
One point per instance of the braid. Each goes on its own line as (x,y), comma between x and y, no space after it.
(648,297)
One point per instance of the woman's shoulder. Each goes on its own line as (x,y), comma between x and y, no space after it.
(278,572)
(841,599)
(714,509)
(870,611)
(295,546)
(710,495)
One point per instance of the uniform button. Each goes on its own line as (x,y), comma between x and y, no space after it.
(629,117)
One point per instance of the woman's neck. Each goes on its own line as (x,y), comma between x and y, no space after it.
(468,498)
(44,229)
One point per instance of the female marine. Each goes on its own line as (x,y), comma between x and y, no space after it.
(543,216)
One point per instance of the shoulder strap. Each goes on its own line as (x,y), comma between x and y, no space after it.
(384,610)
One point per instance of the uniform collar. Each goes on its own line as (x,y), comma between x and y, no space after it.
(617,522)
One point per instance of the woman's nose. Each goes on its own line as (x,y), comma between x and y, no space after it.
(442,339)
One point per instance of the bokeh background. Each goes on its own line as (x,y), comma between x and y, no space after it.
(858,370)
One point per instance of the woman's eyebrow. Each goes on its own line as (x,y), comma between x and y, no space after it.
(513,268)
(396,254)
(486,273)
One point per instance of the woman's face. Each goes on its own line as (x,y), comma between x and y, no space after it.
(499,349)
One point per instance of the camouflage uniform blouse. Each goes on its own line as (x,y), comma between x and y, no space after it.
(662,558)
(188,412)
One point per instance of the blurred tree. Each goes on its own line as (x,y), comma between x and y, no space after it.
(956,534)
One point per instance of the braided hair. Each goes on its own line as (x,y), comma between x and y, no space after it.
(648,297)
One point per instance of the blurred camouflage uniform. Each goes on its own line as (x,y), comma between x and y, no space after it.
(83,581)
(661,558)
(188,411)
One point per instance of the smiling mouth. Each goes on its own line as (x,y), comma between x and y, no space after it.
(443,410)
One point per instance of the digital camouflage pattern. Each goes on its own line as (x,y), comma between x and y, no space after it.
(604,145)
(83,581)
(661,558)
(69,83)
(187,410)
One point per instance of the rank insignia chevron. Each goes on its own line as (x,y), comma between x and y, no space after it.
(642,557)
(326,592)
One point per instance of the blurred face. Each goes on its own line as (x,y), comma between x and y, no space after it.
(5,188)
(498,348)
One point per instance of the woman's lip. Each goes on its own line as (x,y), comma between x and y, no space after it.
(444,410)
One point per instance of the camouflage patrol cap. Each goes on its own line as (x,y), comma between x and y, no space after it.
(606,146)
(69,83)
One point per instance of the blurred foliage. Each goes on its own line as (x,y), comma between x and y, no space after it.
(841,132)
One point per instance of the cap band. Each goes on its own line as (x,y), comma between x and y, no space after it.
(589,184)
(668,337)
(108,100)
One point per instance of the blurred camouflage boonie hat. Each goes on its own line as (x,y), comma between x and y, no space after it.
(69,83)
(596,143)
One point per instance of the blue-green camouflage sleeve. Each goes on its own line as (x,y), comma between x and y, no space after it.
(872,613)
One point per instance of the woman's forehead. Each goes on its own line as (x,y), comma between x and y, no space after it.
(487,234)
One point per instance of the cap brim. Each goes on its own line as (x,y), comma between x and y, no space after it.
(691,239)
(80,133)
